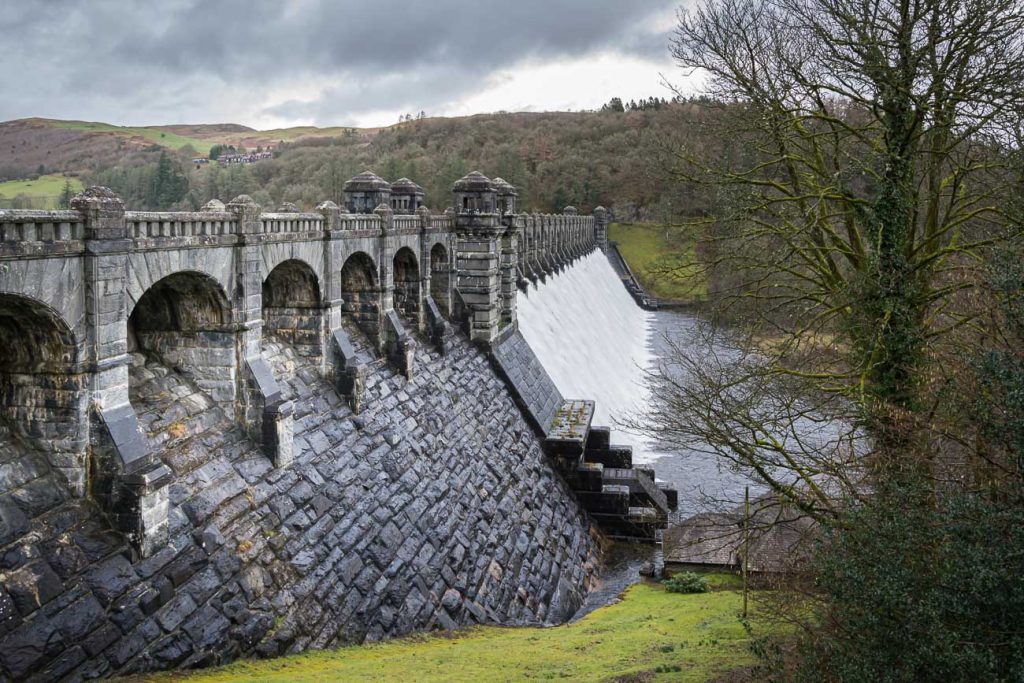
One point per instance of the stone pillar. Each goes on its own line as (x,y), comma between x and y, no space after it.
(386,265)
(128,481)
(331,286)
(509,277)
(478,254)
(601,228)
(259,406)
(426,266)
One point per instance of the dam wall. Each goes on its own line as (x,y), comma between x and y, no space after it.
(233,433)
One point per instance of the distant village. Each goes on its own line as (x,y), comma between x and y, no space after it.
(231,157)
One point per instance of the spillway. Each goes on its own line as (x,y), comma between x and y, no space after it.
(596,343)
(593,340)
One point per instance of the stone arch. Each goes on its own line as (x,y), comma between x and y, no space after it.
(42,392)
(146,269)
(360,293)
(441,277)
(406,280)
(184,321)
(292,308)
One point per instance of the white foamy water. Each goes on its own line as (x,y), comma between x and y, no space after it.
(593,340)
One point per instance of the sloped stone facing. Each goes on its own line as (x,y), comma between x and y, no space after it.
(434,507)
(529,381)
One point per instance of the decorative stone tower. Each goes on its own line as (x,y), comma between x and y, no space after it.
(406,197)
(508,197)
(479,234)
(366,192)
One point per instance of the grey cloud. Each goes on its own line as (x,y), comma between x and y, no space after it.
(86,56)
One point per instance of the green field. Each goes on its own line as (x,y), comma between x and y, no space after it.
(44,191)
(661,258)
(160,137)
(649,635)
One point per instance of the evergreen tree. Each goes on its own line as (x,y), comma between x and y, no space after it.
(64,200)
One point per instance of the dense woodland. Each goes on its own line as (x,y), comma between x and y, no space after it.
(615,157)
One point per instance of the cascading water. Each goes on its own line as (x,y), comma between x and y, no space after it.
(597,344)
(592,339)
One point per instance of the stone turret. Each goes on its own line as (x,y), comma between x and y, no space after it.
(479,233)
(406,197)
(475,193)
(508,196)
(366,192)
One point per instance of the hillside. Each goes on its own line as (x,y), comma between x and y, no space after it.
(555,159)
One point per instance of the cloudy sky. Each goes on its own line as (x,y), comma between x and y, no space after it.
(270,63)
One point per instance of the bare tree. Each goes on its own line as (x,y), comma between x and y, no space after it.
(868,156)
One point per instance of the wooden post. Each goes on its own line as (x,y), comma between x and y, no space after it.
(746,544)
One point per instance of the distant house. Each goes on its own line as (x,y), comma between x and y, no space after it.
(248,158)
(780,539)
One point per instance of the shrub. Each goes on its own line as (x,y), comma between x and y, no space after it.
(686,582)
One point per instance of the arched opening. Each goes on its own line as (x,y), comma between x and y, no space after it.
(440,278)
(41,395)
(184,322)
(360,294)
(291,307)
(407,285)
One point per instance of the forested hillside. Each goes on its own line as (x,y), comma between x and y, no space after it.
(612,157)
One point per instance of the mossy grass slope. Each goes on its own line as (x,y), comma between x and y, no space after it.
(164,138)
(662,258)
(650,635)
(43,191)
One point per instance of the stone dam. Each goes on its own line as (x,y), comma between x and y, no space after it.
(233,433)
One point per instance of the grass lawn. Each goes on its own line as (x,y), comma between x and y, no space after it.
(44,191)
(163,138)
(651,635)
(664,262)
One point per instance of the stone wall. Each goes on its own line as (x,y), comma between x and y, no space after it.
(529,382)
(434,507)
(207,357)
(46,410)
(299,326)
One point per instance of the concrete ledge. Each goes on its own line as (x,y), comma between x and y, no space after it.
(269,418)
(399,346)
(128,482)
(350,370)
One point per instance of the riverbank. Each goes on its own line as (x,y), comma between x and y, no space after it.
(649,635)
(659,268)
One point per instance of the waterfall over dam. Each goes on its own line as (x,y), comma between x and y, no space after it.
(593,340)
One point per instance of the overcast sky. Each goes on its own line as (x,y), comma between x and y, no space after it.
(270,63)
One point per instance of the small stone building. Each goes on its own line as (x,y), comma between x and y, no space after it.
(780,539)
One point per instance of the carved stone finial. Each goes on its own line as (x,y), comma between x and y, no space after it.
(213,205)
(95,195)
(243,200)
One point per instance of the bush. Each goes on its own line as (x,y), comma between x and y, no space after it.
(686,582)
(920,586)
